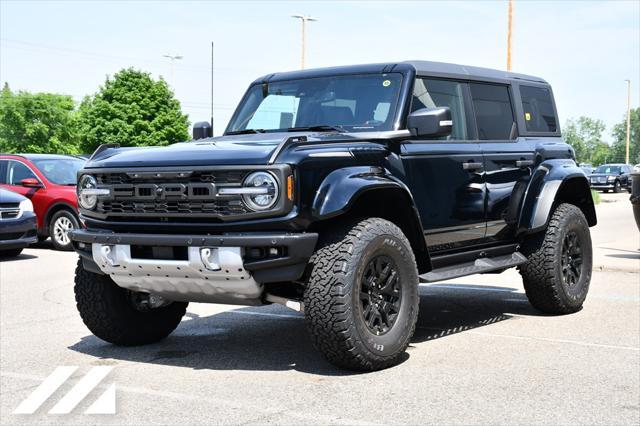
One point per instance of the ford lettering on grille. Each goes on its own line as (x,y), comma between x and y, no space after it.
(165,191)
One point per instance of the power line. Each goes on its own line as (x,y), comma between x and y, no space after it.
(28,46)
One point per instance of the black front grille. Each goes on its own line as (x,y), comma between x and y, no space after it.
(231,177)
(221,207)
(9,210)
(171,194)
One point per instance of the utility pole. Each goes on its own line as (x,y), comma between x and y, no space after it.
(211,88)
(173,58)
(626,158)
(304,19)
(509,33)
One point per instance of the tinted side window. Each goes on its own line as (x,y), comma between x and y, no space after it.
(494,115)
(538,109)
(431,93)
(3,171)
(17,172)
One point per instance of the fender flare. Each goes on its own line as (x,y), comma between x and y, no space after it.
(551,182)
(343,189)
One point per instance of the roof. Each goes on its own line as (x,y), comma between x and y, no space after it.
(440,69)
(45,156)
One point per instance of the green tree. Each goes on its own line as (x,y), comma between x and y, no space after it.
(619,139)
(585,136)
(37,123)
(132,109)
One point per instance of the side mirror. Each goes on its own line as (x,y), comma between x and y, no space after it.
(201,130)
(430,122)
(31,183)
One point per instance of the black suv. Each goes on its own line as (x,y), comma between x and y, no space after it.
(612,177)
(336,192)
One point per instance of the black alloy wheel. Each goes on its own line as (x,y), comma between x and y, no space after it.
(380,294)
(571,259)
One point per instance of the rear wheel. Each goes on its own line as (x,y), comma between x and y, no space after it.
(557,273)
(361,298)
(61,223)
(121,316)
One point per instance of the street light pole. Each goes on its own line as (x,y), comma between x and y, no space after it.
(173,58)
(304,19)
(626,158)
(212,88)
(509,32)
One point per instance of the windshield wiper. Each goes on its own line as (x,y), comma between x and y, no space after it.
(245,131)
(317,128)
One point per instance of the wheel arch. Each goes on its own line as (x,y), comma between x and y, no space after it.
(552,183)
(358,192)
(55,208)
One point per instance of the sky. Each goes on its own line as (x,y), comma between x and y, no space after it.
(585,49)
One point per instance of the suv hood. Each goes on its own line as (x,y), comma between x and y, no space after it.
(255,149)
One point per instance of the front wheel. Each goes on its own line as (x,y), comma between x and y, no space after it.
(361,299)
(617,188)
(61,224)
(557,273)
(121,316)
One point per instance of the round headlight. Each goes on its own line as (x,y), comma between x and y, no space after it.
(86,197)
(266,190)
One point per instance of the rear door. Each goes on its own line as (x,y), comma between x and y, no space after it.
(445,174)
(508,159)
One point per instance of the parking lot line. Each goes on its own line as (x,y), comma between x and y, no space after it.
(288,412)
(545,339)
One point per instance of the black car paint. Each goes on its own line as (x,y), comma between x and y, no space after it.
(457,208)
(24,227)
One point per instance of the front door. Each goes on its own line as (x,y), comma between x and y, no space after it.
(445,175)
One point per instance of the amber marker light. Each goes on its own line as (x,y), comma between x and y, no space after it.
(290,187)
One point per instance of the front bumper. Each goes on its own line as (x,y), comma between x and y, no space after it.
(237,278)
(601,185)
(18,233)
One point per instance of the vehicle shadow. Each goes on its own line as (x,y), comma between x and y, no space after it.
(20,257)
(273,338)
(45,245)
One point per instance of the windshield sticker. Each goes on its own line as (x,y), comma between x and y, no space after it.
(386,83)
(527,116)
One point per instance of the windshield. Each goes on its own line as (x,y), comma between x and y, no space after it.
(60,171)
(351,103)
(607,170)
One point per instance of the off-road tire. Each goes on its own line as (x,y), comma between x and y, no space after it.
(62,215)
(542,274)
(333,309)
(106,310)
(10,253)
(617,188)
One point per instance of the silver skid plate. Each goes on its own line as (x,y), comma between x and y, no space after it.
(183,280)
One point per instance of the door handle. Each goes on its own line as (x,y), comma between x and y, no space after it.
(471,166)
(524,163)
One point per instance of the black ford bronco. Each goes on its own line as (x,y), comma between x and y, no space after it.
(336,192)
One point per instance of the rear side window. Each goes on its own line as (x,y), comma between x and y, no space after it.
(494,115)
(539,114)
(18,172)
(3,171)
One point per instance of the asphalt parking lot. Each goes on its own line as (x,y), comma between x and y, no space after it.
(481,354)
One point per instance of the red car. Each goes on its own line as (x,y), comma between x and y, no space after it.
(49,181)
